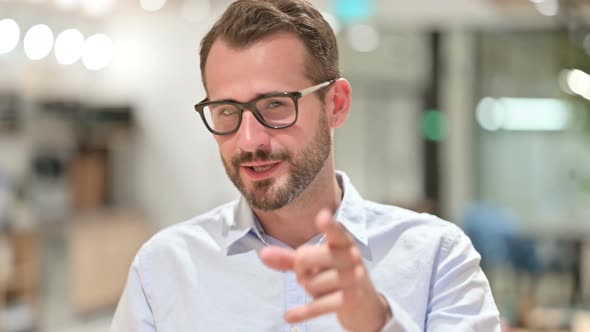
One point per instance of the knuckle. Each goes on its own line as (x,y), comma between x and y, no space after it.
(305,254)
(308,286)
(355,254)
(359,273)
(301,257)
(300,279)
(337,226)
(311,290)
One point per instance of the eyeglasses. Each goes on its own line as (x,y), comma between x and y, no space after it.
(275,110)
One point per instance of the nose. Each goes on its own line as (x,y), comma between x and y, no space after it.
(252,135)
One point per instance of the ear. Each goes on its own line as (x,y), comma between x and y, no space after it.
(341,100)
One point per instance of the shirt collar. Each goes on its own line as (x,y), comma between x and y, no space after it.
(351,214)
(244,227)
(242,223)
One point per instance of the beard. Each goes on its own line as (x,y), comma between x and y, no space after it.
(268,194)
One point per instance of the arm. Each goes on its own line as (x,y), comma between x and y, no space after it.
(133,312)
(460,296)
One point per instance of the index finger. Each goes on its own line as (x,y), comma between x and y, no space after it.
(336,234)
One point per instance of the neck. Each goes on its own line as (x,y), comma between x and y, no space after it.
(294,224)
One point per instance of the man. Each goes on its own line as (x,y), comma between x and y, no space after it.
(300,250)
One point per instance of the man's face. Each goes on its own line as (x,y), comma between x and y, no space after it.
(270,167)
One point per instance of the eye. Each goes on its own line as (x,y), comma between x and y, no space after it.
(275,104)
(227,111)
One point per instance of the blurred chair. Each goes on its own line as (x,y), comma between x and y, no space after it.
(496,235)
(504,257)
(493,231)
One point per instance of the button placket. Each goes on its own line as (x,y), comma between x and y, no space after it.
(295,296)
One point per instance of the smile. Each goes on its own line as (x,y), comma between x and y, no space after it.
(260,170)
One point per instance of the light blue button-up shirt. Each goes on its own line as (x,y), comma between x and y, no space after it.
(206,275)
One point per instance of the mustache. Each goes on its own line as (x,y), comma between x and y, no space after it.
(259,155)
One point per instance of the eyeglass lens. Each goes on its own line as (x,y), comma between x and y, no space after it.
(277,111)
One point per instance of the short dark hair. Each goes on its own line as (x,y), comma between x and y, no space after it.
(247,21)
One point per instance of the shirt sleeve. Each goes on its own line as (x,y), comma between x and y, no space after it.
(460,296)
(133,312)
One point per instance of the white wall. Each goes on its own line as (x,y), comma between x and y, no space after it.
(155,69)
(179,169)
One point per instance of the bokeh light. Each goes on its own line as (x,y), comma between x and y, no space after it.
(38,42)
(578,82)
(363,38)
(435,125)
(152,5)
(547,7)
(523,114)
(562,81)
(351,11)
(489,115)
(69,46)
(98,52)
(97,7)
(9,35)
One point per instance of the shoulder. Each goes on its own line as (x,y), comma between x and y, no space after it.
(421,241)
(410,225)
(196,234)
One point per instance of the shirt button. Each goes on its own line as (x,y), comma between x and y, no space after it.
(295,329)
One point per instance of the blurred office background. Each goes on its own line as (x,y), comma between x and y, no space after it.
(476,110)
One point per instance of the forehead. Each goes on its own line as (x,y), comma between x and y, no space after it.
(276,62)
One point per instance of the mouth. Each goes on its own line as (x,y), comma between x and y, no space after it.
(261,170)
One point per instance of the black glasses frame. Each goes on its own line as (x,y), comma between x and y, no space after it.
(251,105)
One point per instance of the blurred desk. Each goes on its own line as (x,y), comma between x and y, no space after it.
(5,270)
(102,248)
(20,271)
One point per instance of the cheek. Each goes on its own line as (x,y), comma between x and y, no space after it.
(225,146)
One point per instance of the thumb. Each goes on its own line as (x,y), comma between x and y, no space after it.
(278,258)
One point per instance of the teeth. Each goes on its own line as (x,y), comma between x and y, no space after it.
(261,168)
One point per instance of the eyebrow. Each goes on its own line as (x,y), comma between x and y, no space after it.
(258,95)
